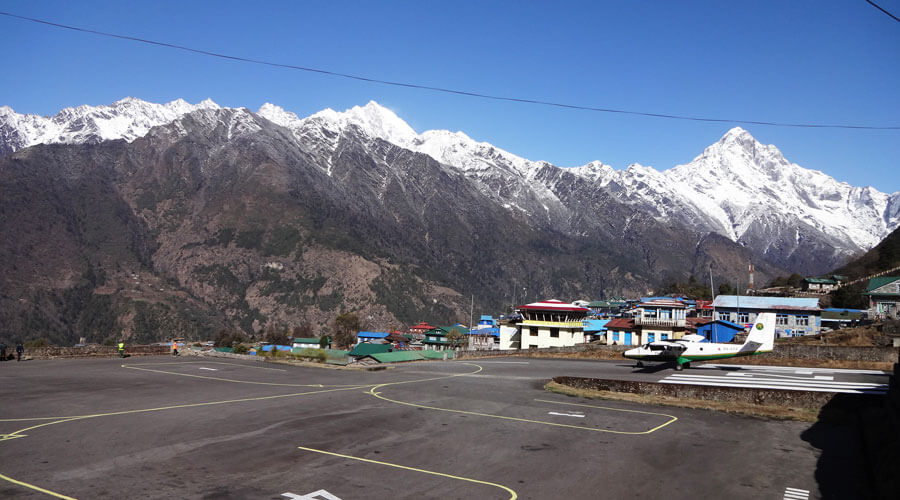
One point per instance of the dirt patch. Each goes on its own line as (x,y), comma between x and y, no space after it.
(775,412)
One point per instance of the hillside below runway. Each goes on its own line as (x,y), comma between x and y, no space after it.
(158,427)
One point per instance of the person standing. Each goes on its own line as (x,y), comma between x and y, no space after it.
(174,348)
(121,349)
(19,350)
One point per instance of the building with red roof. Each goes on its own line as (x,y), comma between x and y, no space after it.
(657,318)
(550,323)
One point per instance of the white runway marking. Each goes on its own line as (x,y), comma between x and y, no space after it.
(756,368)
(506,362)
(564,414)
(795,494)
(814,385)
(210,369)
(316,495)
(815,377)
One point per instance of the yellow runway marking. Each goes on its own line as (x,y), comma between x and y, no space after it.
(512,493)
(211,363)
(516,419)
(173,407)
(60,420)
(36,488)
(131,367)
(671,417)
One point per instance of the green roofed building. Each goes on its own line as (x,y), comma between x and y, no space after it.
(392,357)
(436,338)
(366,349)
(884,296)
(305,343)
(432,354)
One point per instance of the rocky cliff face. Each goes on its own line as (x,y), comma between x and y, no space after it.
(226,219)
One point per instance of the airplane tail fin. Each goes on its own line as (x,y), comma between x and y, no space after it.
(762,334)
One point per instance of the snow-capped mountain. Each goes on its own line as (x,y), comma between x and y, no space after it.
(127,119)
(746,191)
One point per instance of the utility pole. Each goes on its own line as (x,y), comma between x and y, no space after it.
(471,311)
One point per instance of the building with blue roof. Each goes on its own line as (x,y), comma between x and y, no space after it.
(793,315)
(719,330)
(594,329)
(374,337)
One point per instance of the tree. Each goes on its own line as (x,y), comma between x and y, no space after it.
(277,334)
(725,289)
(345,328)
(456,338)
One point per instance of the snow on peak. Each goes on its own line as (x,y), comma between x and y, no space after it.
(278,115)
(381,122)
(127,118)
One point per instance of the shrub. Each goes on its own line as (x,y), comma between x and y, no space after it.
(241,349)
(315,355)
(35,343)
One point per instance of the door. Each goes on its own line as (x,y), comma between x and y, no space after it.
(627,338)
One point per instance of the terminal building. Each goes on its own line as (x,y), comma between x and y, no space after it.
(793,316)
(551,323)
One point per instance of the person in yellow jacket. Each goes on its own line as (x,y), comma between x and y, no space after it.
(121,349)
(174,348)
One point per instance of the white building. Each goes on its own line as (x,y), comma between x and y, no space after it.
(551,323)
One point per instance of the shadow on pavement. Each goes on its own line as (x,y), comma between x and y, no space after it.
(844,466)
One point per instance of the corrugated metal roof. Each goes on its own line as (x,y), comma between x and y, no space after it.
(595,325)
(615,323)
(396,356)
(372,335)
(553,305)
(748,302)
(306,340)
(432,354)
(365,349)
(880,281)
(665,302)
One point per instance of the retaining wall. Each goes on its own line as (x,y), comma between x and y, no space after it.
(91,351)
(767,397)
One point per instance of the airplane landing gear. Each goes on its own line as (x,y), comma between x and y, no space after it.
(678,367)
(639,364)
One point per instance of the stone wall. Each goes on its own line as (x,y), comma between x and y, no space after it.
(91,351)
(797,355)
(590,350)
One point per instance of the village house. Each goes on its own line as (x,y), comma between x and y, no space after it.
(305,343)
(654,318)
(793,316)
(551,323)
(823,285)
(884,297)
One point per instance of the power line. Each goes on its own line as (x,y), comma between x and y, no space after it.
(873,4)
(444,90)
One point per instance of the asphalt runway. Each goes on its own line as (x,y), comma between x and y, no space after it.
(212,428)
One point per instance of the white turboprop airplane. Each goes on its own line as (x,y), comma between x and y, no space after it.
(691,348)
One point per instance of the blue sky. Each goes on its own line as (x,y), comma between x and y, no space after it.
(827,61)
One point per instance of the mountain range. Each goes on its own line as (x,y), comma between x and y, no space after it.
(133,218)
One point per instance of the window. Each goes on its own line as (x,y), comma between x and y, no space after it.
(616,336)
(724,316)
(533,331)
(743,318)
(802,320)
(781,319)
(554,332)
